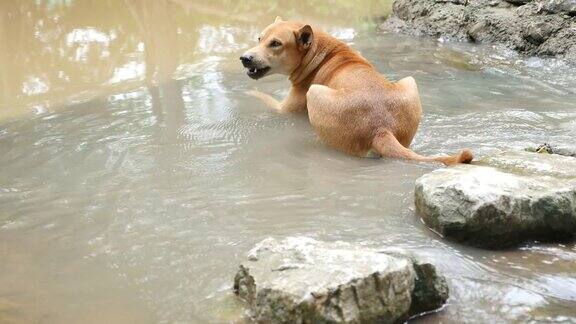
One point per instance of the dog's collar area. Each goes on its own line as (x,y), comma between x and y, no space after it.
(310,62)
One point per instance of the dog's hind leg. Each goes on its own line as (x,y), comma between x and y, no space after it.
(388,146)
(341,118)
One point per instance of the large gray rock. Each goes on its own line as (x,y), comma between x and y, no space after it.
(301,280)
(539,27)
(501,200)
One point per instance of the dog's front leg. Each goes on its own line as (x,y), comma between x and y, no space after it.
(295,101)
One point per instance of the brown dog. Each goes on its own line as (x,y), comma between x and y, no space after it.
(350,105)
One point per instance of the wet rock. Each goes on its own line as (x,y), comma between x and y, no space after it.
(539,27)
(430,290)
(562,43)
(519,2)
(560,6)
(502,200)
(549,149)
(301,280)
(496,25)
(544,148)
(446,19)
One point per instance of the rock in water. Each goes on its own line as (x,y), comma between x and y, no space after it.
(301,280)
(549,149)
(502,200)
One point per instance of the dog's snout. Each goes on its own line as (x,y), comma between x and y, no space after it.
(246,60)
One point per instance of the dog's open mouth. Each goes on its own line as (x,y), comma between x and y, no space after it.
(256,73)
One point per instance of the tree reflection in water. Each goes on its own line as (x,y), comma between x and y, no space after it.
(59,52)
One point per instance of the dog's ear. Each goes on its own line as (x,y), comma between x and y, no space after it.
(304,37)
(278,19)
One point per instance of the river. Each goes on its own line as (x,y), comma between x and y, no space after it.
(135,173)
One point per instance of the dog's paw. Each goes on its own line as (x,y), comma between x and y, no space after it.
(254,93)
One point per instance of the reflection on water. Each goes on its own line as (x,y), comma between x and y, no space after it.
(135,173)
(61,51)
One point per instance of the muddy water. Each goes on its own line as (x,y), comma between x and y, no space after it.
(135,173)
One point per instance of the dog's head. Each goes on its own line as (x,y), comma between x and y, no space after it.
(280,49)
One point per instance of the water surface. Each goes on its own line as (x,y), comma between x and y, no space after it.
(135,173)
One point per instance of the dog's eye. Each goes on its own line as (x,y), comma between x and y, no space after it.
(275,43)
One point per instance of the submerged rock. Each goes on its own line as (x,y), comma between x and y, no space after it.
(549,149)
(301,280)
(539,27)
(502,200)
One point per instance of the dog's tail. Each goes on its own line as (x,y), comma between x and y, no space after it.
(388,146)
(465,156)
